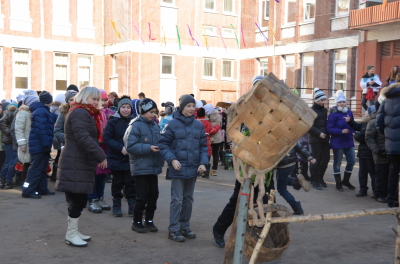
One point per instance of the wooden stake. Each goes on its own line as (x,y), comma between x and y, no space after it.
(230,244)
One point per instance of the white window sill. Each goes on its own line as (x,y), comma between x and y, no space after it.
(228,80)
(230,37)
(168,5)
(86,27)
(210,11)
(262,29)
(115,76)
(213,35)
(209,78)
(307,22)
(229,14)
(168,76)
(306,97)
(288,25)
(61,25)
(23,19)
(342,16)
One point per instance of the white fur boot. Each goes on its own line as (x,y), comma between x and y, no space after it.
(72,237)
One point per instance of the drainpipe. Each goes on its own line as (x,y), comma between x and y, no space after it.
(239,58)
(42,46)
(103,18)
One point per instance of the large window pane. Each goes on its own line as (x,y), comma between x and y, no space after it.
(289,76)
(166,65)
(21,75)
(342,7)
(309,9)
(208,70)
(291,11)
(264,67)
(308,73)
(289,59)
(340,76)
(84,77)
(167,1)
(341,55)
(227,69)
(61,77)
(228,6)
(209,4)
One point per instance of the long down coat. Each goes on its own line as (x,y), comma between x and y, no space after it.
(22,130)
(81,154)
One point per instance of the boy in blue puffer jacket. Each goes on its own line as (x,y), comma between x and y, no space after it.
(40,142)
(140,141)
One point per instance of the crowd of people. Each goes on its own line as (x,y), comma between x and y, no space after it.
(102,137)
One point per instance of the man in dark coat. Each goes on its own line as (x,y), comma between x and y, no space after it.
(388,123)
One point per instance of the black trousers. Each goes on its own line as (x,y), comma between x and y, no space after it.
(25,168)
(146,197)
(227,215)
(2,158)
(393,181)
(321,152)
(367,166)
(76,203)
(58,156)
(215,154)
(119,180)
(381,179)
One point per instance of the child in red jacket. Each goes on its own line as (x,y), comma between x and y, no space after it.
(210,130)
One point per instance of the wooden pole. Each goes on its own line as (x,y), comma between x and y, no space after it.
(242,222)
(264,232)
(230,244)
(397,253)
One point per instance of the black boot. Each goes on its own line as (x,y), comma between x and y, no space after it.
(131,205)
(346,181)
(338,182)
(2,183)
(9,185)
(297,209)
(150,226)
(18,181)
(321,182)
(139,227)
(53,176)
(316,185)
(116,209)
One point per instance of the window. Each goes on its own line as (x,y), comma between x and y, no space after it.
(229,6)
(289,70)
(227,70)
(84,70)
(340,70)
(115,65)
(167,65)
(307,74)
(21,69)
(168,1)
(210,30)
(342,7)
(85,28)
(61,25)
(228,33)
(264,13)
(209,5)
(208,68)
(290,12)
(20,16)
(263,67)
(61,61)
(309,10)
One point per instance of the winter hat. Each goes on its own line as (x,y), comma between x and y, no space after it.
(199,104)
(319,95)
(369,67)
(103,94)
(146,105)
(60,98)
(20,97)
(73,87)
(125,100)
(371,109)
(340,97)
(208,108)
(115,101)
(69,94)
(201,112)
(28,100)
(184,100)
(3,101)
(4,106)
(45,97)
(30,92)
(11,101)
(135,103)
(12,105)
(169,107)
(204,102)
(256,79)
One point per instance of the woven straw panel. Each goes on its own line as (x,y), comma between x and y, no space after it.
(276,117)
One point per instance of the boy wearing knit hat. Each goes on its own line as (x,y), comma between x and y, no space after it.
(40,142)
(371,84)
(141,142)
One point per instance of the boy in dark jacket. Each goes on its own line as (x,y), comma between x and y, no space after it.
(140,141)
(318,139)
(40,142)
(118,158)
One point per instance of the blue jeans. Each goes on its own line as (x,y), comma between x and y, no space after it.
(99,185)
(8,169)
(36,179)
(283,180)
(350,158)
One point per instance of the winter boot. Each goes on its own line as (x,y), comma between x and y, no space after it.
(116,209)
(316,185)
(139,227)
(322,182)
(303,183)
(297,209)
(53,176)
(346,181)
(219,240)
(188,234)
(103,204)
(9,185)
(2,183)
(338,182)
(361,193)
(72,237)
(18,180)
(150,226)
(131,205)
(94,206)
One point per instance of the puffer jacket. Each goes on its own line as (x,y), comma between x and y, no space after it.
(22,130)
(336,123)
(216,119)
(81,154)
(304,143)
(5,125)
(291,158)
(210,130)
(375,140)
(113,137)
(139,137)
(42,128)
(388,118)
(59,128)
(12,132)
(164,121)
(364,83)
(319,125)
(364,152)
(185,140)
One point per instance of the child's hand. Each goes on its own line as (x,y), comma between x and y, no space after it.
(124,151)
(103,165)
(176,164)
(313,161)
(155,148)
(347,118)
(322,135)
(202,168)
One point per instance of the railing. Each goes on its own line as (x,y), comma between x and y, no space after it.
(374,15)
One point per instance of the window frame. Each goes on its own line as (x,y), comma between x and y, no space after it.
(336,10)
(262,68)
(302,95)
(286,14)
(114,65)
(167,75)
(232,70)
(85,65)
(285,66)
(14,71)
(334,71)
(231,36)
(261,16)
(55,67)
(208,9)
(60,23)
(228,12)
(208,77)
(214,29)
(304,12)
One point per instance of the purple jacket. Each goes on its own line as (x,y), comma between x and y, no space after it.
(336,123)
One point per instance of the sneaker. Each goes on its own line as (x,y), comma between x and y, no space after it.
(218,239)
(139,227)
(150,226)
(94,206)
(381,200)
(188,234)
(176,236)
(103,204)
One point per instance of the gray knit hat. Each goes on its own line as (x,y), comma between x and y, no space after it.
(125,100)
(319,95)
(69,94)
(28,100)
(185,100)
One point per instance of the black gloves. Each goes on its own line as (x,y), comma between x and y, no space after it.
(46,149)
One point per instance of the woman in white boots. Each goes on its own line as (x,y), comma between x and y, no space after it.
(79,159)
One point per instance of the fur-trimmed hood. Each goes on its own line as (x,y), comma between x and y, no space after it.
(24,108)
(336,110)
(366,119)
(391,90)
(64,108)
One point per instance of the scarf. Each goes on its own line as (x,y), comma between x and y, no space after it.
(93,111)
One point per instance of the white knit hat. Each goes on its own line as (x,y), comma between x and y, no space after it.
(20,97)
(60,98)
(209,108)
(340,97)
(319,95)
(31,93)
(199,104)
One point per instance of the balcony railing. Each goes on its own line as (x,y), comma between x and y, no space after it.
(374,15)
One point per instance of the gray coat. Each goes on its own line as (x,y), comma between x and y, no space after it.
(59,127)
(139,137)
(55,110)
(375,140)
(12,132)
